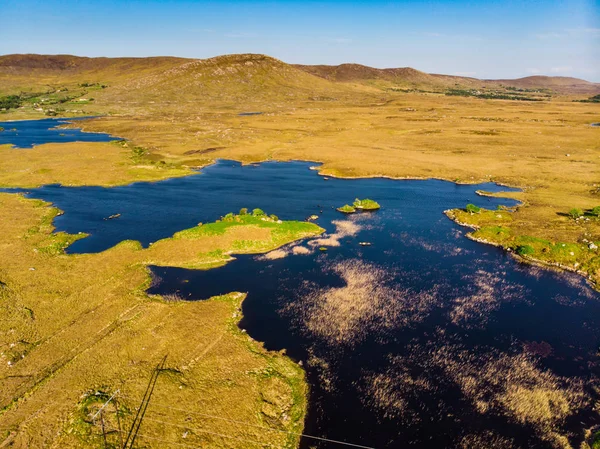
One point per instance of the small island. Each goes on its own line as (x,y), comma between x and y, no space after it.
(359,205)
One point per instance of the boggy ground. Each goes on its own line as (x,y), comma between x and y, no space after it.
(76,328)
(546,148)
(181,113)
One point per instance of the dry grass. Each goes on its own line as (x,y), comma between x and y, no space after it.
(74,324)
(547,148)
(78,163)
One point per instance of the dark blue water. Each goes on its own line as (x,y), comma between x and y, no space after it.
(424,339)
(27,133)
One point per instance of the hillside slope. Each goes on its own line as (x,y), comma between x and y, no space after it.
(232,78)
(409,77)
(22,72)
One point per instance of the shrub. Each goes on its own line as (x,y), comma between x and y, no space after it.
(228,217)
(258,212)
(575,213)
(596,440)
(244,211)
(366,204)
(274,217)
(595,211)
(525,250)
(472,209)
(347,209)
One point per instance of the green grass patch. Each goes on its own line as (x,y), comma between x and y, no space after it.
(366,204)
(347,209)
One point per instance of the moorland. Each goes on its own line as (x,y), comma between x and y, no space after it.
(178,115)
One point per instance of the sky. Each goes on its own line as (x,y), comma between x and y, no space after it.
(484,39)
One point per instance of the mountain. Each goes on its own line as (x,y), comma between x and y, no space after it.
(409,77)
(245,77)
(229,78)
(557,83)
(357,73)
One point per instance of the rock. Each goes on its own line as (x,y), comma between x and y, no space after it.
(593,246)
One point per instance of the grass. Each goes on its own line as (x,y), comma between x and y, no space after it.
(83,322)
(498,227)
(366,204)
(547,148)
(347,209)
(75,324)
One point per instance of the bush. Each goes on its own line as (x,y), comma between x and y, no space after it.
(274,217)
(10,102)
(595,211)
(472,209)
(347,209)
(228,217)
(366,204)
(258,212)
(525,250)
(244,211)
(596,440)
(575,213)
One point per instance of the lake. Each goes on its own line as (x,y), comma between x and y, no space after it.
(27,133)
(411,334)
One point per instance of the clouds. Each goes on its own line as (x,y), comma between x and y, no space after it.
(561,69)
(569,33)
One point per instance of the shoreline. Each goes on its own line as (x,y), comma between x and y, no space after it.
(556,266)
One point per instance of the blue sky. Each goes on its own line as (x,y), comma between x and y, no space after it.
(485,39)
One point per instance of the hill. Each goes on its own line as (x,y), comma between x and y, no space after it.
(21,72)
(558,83)
(357,73)
(232,78)
(409,77)
(165,80)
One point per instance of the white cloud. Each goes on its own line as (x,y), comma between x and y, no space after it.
(550,35)
(592,31)
(561,69)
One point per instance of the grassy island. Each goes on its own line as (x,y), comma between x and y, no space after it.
(347,209)
(359,205)
(76,328)
(366,204)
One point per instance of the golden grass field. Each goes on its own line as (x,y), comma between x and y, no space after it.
(76,325)
(83,323)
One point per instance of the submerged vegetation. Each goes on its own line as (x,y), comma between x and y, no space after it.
(80,324)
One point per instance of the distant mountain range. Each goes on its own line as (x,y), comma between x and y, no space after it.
(249,74)
(408,76)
